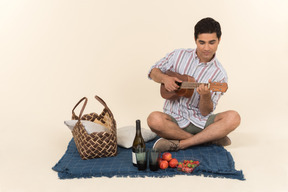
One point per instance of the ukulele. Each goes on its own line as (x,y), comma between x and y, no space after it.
(187,86)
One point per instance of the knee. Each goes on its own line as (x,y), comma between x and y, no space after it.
(154,121)
(234,119)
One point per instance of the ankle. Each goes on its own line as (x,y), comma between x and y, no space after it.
(180,145)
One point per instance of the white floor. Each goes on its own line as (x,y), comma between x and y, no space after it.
(261,156)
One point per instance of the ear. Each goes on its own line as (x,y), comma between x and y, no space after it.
(219,40)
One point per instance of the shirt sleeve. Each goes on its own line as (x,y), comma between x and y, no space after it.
(217,95)
(215,98)
(164,64)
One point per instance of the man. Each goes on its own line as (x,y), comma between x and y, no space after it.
(186,122)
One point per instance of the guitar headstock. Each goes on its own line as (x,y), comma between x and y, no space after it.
(218,87)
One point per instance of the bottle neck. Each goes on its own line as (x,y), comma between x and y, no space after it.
(138,131)
(138,128)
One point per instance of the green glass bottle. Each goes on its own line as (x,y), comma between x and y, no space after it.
(138,142)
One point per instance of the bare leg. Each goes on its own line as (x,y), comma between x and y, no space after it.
(162,125)
(223,124)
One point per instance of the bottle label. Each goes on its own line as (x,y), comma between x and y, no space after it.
(134,161)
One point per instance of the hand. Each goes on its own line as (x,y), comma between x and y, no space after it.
(169,83)
(203,89)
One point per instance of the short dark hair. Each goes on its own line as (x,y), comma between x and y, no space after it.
(207,25)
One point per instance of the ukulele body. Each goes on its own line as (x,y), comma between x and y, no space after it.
(180,92)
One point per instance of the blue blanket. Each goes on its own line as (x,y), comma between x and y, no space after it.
(215,161)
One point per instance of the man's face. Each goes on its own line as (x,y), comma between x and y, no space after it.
(207,44)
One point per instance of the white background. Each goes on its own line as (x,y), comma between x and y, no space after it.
(52,53)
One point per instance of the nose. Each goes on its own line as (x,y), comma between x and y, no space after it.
(206,47)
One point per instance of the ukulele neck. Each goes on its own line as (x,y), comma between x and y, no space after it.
(192,85)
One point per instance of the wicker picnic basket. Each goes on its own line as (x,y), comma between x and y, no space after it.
(96,144)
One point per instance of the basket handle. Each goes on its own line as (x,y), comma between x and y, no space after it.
(83,107)
(104,104)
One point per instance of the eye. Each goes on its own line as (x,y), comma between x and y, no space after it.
(212,42)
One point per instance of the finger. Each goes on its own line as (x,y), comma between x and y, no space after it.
(175,85)
(206,86)
(201,87)
(198,90)
(171,88)
(178,80)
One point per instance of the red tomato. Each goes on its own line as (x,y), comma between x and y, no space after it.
(173,162)
(163,164)
(167,156)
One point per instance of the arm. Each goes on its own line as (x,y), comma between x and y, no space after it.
(205,103)
(169,82)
